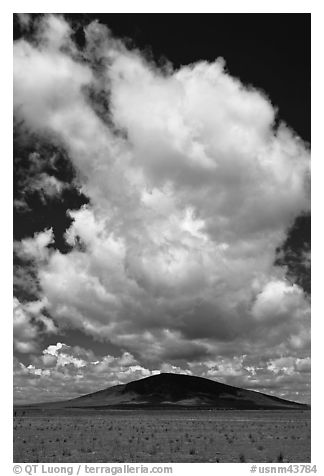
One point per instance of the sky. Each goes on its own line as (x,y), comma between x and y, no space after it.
(161,201)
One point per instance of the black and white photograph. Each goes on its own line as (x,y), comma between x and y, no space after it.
(162,238)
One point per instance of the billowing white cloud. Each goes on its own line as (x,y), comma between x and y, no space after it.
(36,247)
(192,188)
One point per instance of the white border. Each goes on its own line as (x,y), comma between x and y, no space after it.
(164,6)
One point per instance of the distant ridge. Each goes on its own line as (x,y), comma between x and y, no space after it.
(168,390)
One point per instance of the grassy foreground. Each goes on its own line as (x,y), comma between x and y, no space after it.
(163,436)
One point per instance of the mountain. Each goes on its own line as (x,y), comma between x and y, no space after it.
(177,391)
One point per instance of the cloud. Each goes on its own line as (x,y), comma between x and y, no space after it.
(192,188)
(279,301)
(24,20)
(69,371)
(38,171)
(63,371)
(36,247)
(29,323)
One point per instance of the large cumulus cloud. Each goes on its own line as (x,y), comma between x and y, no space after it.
(192,188)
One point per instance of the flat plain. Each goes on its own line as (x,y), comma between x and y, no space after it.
(219,436)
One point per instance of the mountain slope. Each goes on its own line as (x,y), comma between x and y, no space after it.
(178,391)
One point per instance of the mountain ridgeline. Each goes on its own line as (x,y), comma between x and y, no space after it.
(167,390)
